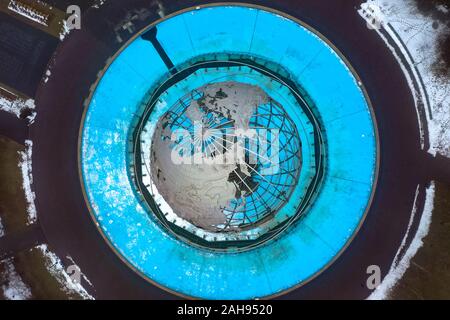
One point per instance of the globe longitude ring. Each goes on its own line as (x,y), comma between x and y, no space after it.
(226,157)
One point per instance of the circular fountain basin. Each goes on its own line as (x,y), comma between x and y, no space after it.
(348,148)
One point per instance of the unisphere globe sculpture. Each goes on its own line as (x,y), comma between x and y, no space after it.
(225,157)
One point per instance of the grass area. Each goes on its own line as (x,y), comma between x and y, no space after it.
(12,198)
(54,22)
(31,265)
(428,277)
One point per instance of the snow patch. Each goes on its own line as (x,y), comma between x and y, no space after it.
(65,30)
(13,286)
(402,263)
(98,4)
(417,38)
(442,8)
(17,106)
(25,165)
(56,269)
(29,12)
(48,73)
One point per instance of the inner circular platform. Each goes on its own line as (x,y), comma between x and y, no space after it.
(332,152)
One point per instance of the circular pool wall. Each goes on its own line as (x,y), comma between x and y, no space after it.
(348,147)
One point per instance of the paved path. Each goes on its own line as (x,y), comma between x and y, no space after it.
(28,238)
(64,216)
(13,127)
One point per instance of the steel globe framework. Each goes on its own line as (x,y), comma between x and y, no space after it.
(239,118)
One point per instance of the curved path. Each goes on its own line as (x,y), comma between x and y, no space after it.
(65,219)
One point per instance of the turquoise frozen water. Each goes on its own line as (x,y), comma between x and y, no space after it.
(306,247)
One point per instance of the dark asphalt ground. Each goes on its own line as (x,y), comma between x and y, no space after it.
(64,217)
(13,127)
(30,237)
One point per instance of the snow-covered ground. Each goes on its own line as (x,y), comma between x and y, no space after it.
(14,288)
(17,106)
(413,39)
(48,73)
(25,166)
(417,37)
(69,283)
(65,30)
(28,12)
(402,261)
(12,285)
